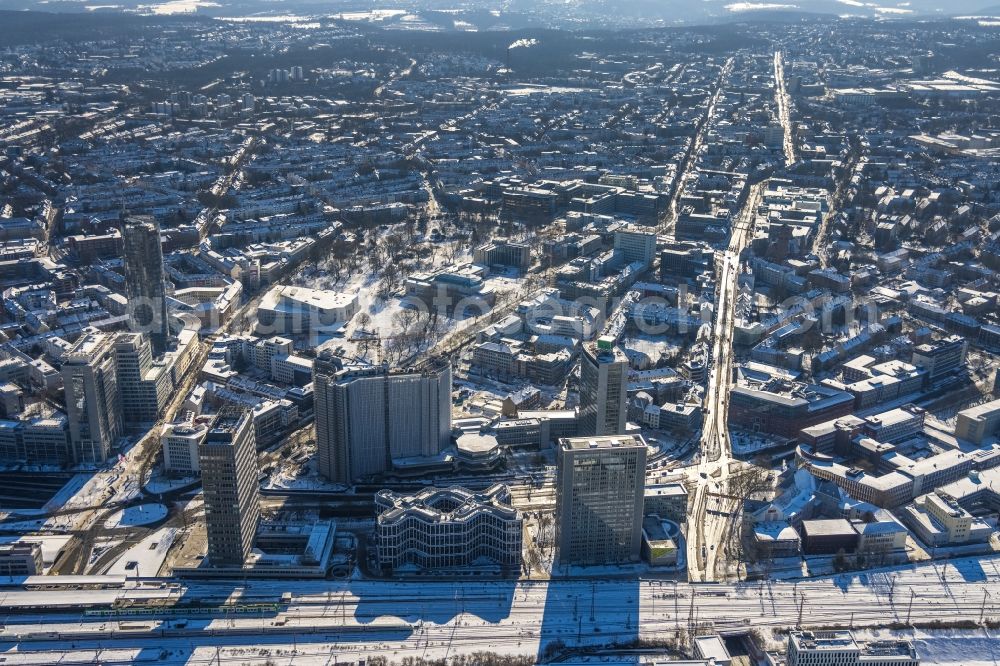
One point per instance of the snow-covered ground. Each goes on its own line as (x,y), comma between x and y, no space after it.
(84,490)
(162,484)
(398,619)
(291,476)
(79,483)
(133,516)
(146,557)
(101,546)
(745,444)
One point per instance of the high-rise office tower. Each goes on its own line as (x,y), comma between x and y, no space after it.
(599,499)
(144,386)
(603,388)
(145,284)
(367,416)
(93,406)
(228,460)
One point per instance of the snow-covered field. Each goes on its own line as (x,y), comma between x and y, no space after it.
(133,516)
(146,557)
(353,618)
(163,484)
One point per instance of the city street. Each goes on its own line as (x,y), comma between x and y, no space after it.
(711,527)
(784,107)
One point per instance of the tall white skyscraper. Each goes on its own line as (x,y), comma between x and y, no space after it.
(368,416)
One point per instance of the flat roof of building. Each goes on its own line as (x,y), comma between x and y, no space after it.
(893,417)
(984,410)
(655,529)
(320,299)
(825,640)
(839,527)
(88,346)
(601,442)
(774,531)
(712,647)
(666,490)
(945,460)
